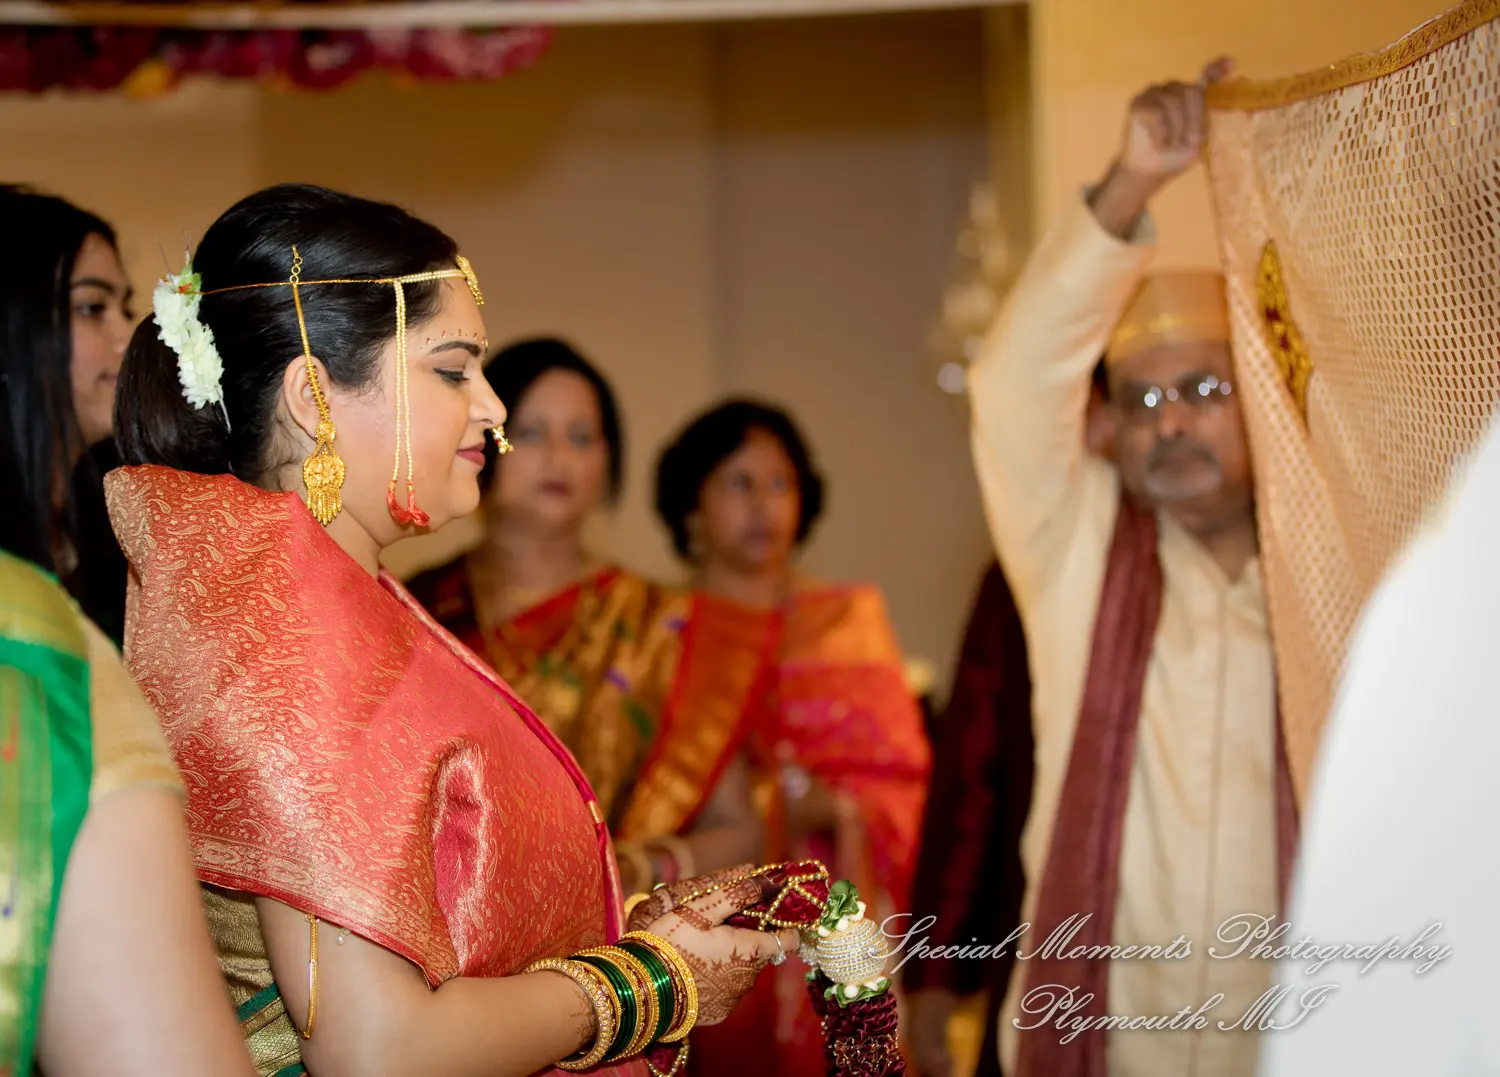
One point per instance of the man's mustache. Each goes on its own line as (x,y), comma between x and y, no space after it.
(1165,453)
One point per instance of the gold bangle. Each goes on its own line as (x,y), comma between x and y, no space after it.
(648,1005)
(612,1001)
(606,1008)
(312,975)
(684,1008)
(651,1008)
(650,1002)
(687,1007)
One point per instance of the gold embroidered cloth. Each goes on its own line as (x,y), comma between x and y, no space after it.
(648,686)
(341,753)
(1359,222)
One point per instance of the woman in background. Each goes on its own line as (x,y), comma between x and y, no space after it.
(64,322)
(835,738)
(101,909)
(598,650)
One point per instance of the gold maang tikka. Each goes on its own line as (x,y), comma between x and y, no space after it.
(323,471)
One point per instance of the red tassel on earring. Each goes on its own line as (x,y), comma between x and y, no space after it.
(416,516)
(400,515)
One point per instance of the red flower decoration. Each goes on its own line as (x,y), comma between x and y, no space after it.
(36,59)
(801,898)
(859,1040)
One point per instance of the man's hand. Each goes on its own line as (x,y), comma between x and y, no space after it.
(1164,135)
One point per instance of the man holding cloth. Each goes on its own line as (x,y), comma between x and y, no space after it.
(1162,808)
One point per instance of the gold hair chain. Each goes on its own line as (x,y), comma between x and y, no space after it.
(323,471)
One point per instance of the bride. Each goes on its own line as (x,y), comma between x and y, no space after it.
(404,871)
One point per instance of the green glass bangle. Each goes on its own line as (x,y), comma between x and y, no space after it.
(628,1009)
(661,983)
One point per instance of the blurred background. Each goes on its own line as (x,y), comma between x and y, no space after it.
(818,210)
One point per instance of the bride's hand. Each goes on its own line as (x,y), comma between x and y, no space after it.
(724,960)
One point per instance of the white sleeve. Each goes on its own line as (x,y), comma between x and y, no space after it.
(1403,821)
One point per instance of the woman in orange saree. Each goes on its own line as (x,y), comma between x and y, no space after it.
(607,658)
(835,738)
(405,872)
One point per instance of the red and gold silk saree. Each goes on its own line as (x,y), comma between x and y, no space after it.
(648,686)
(343,754)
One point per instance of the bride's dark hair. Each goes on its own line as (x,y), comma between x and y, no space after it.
(338,236)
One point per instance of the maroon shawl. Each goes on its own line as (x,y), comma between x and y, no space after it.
(1082,870)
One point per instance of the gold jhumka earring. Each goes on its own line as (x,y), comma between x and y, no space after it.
(323,471)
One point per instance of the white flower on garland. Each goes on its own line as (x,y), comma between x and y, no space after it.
(199,367)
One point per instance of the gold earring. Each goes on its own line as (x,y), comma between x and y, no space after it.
(502,446)
(323,471)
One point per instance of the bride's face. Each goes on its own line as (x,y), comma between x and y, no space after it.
(452,408)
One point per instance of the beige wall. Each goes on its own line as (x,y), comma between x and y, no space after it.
(847,153)
(580,189)
(760,208)
(160,171)
(1090,56)
(763,209)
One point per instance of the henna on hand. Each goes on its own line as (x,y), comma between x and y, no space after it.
(694,919)
(581,1016)
(724,960)
(585,1021)
(722,983)
(664,899)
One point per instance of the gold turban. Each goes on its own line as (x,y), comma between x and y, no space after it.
(1184,307)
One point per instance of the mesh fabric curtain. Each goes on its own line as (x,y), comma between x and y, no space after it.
(1359,216)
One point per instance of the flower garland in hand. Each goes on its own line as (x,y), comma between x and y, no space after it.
(846,980)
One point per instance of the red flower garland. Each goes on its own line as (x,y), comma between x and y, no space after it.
(796,904)
(859,1038)
(146,60)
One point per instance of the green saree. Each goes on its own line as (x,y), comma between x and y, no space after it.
(46,762)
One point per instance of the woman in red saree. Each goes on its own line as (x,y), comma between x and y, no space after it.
(605,656)
(835,738)
(397,857)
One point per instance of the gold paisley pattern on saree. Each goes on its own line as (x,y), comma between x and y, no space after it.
(340,755)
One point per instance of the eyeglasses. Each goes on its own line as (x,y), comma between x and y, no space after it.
(1143,403)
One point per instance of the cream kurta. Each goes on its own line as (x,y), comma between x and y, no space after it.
(1200,837)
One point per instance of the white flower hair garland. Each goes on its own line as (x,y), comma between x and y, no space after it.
(199,366)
